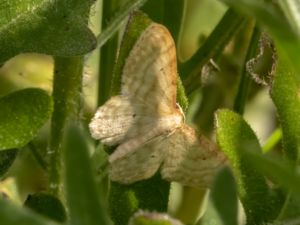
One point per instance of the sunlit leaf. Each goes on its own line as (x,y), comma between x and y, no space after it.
(45,26)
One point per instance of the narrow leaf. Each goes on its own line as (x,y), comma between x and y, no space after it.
(235,136)
(285,94)
(224,197)
(83,198)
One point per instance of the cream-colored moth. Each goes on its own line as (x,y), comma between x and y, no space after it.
(148,125)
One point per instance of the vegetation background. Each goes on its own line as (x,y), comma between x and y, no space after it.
(57,64)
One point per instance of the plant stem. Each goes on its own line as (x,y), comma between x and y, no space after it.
(116,21)
(107,53)
(66,97)
(212,48)
(245,82)
(272,140)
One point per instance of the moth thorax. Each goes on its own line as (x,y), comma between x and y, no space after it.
(171,122)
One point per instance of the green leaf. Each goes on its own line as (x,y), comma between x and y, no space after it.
(45,26)
(235,136)
(224,197)
(82,196)
(22,114)
(279,170)
(47,205)
(222,205)
(284,174)
(151,194)
(11,214)
(6,159)
(285,94)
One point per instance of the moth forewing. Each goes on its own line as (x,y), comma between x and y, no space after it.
(191,160)
(150,73)
(140,164)
(147,124)
(160,127)
(112,121)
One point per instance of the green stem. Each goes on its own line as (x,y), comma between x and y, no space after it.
(116,21)
(245,82)
(212,48)
(66,96)
(107,53)
(272,140)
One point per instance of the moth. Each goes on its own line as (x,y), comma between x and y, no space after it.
(147,125)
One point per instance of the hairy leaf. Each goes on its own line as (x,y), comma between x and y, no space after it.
(44,26)
(22,114)
(235,136)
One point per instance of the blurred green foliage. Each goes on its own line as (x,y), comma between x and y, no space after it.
(216,41)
